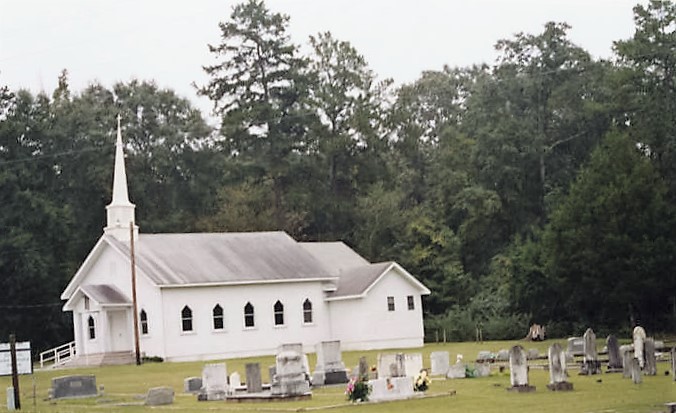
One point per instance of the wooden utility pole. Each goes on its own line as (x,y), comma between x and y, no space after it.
(137,347)
(15,372)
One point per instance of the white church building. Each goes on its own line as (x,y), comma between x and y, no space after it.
(202,296)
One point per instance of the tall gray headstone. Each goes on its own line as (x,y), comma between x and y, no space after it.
(11,405)
(363,368)
(254,383)
(650,365)
(635,369)
(639,336)
(330,368)
(558,379)
(627,357)
(77,386)
(440,361)
(591,364)
(614,358)
(518,370)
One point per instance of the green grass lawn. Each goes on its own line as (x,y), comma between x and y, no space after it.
(125,386)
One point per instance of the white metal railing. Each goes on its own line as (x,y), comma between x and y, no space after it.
(58,355)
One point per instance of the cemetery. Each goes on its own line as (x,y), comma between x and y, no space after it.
(457,376)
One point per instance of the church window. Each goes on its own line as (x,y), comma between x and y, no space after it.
(218,317)
(248,315)
(390,303)
(307,311)
(279,313)
(411,303)
(91,327)
(186,319)
(144,322)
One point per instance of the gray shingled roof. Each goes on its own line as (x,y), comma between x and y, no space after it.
(104,294)
(335,256)
(202,258)
(355,281)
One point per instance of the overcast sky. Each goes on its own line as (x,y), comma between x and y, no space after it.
(166,40)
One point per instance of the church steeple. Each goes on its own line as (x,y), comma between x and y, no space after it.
(120,211)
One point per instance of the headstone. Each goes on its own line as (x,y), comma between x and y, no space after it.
(558,379)
(673,362)
(413,364)
(290,378)
(391,365)
(254,383)
(457,371)
(614,358)
(391,388)
(214,382)
(627,357)
(482,369)
(650,365)
(503,355)
(298,348)
(159,396)
(485,356)
(635,369)
(659,345)
(576,346)
(66,387)
(11,406)
(639,336)
(591,364)
(518,368)
(330,368)
(363,368)
(236,380)
(440,361)
(272,372)
(192,385)
(533,354)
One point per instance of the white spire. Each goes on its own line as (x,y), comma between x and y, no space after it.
(120,211)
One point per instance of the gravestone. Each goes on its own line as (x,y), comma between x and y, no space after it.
(591,364)
(413,364)
(290,377)
(639,336)
(635,369)
(391,388)
(518,371)
(440,361)
(363,368)
(576,346)
(558,379)
(614,358)
(391,365)
(214,382)
(272,372)
(650,365)
(70,387)
(627,357)
(503,355)
(235,380)
(192,385)
(330,368)
(533,354)
(482,369)
(159,396)
(11,404)
(457,371)
(254,382)
(673,362)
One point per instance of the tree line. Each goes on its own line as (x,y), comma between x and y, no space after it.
(540,188)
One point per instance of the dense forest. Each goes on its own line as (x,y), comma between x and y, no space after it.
(541,188)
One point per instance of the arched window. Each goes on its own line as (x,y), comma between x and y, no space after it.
(144,322)
(91,327)
(186,319)
(218,317)
(279,313)
(307,311)
(248,315)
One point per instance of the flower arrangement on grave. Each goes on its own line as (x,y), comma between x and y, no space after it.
(358,389)
(422,382)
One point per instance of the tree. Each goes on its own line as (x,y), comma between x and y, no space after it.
(609,247)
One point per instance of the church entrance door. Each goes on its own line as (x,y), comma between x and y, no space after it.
(120,331)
